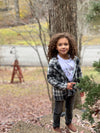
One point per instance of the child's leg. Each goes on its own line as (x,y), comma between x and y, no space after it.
(69,104)
(57,112)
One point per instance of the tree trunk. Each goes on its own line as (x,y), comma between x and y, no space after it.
(6,4)
(17,11)
(63,18)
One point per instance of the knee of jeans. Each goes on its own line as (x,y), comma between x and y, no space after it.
(58,112)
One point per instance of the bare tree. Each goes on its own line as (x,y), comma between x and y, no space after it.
(38,14)
(83,26)
(81,23)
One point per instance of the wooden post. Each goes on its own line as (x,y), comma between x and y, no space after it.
(17,71)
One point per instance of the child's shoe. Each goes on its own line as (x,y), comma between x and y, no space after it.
(72,128)
(57,130)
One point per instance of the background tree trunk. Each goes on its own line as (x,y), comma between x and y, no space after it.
(17,11)
(63,18)
(7,4)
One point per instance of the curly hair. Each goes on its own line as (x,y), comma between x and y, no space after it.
(52,52)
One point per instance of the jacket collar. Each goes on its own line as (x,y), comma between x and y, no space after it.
(58,68)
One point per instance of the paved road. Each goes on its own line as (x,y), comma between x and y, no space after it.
(27,56)
(90,54)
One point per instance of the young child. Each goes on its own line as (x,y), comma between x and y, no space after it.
(63,73)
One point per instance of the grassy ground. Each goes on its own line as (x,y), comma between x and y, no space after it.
(34,81)
(22,35)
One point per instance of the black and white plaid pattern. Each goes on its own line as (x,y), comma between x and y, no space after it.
(57,78)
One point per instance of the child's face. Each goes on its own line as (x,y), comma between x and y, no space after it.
(63,46)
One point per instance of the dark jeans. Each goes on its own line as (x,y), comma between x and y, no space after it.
(69,103)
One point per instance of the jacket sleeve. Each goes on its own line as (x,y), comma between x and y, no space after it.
(52,78)
(79,72)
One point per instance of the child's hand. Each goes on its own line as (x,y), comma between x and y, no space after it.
(70,85)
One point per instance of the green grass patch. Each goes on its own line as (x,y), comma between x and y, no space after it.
(90,41)
(34,82)
(29,34)
(23,35)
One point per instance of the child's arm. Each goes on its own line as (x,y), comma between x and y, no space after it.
(52,79)
(79,75)
(79,72)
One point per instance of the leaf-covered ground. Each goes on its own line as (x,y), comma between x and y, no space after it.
(27,101)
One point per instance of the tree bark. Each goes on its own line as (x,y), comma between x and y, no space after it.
(63,16)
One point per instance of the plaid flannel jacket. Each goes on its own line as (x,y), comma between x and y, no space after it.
(57,78)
